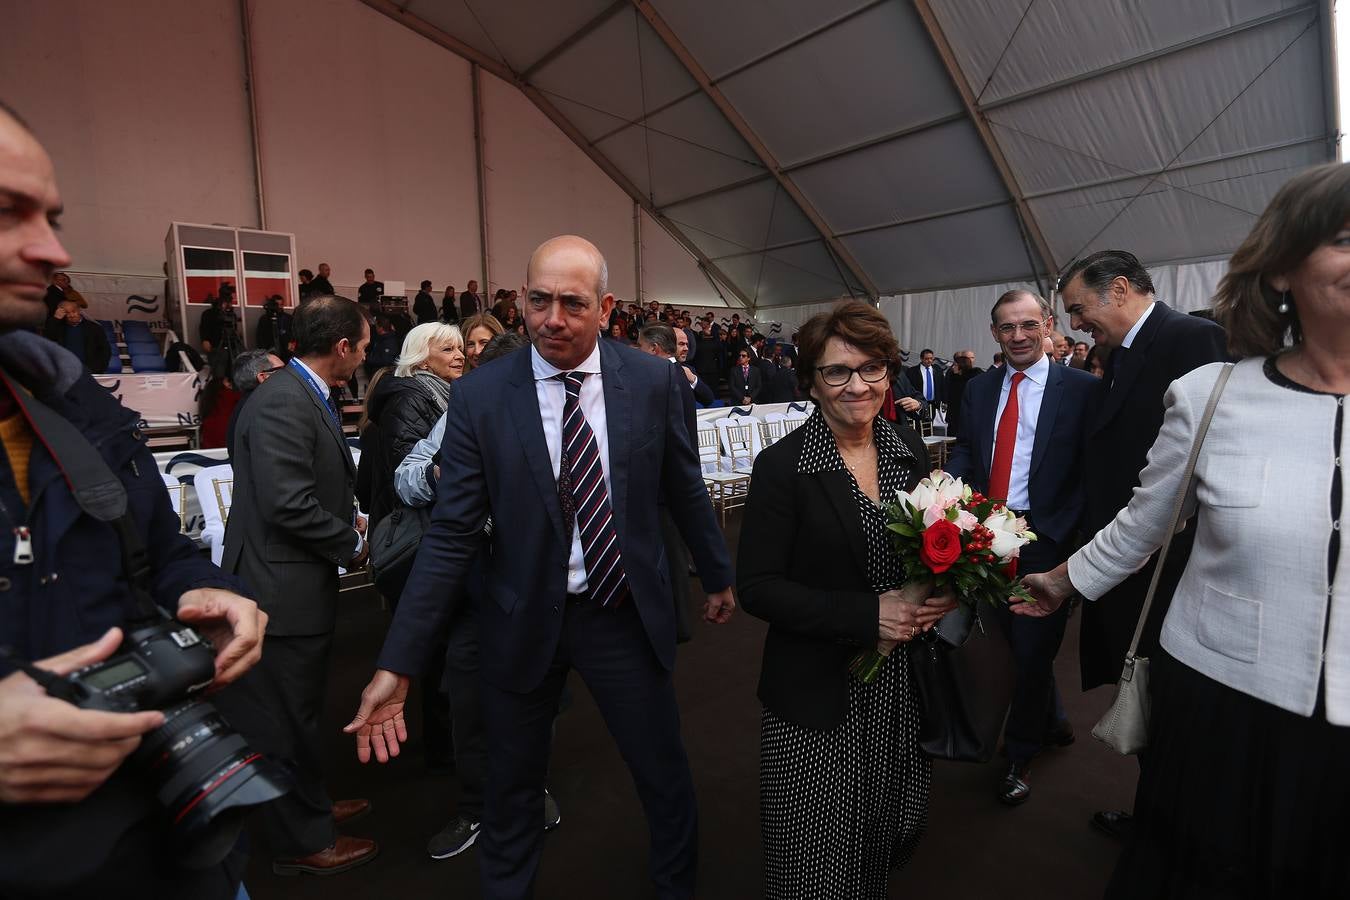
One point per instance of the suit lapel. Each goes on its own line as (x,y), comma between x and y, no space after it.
(618,421)
(986,408)
(326,415)
(523,402)
(1124,374)
(1045,420)
(840,494)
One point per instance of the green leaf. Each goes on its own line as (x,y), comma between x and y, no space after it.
(902,528)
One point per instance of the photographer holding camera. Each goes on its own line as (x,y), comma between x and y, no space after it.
(74,821)
(274,329)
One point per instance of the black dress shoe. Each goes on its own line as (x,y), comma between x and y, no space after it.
(1015,789)
(1115,822)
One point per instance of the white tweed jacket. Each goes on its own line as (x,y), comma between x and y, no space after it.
(1255,609)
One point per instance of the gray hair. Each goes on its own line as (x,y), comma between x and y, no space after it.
(1017,294)
(660,336)
(417,345)
(247,367)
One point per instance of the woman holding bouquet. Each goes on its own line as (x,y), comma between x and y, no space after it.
(843,783)
(1245,791)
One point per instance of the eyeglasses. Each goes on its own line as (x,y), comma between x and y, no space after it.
(871,372)
(1008,329)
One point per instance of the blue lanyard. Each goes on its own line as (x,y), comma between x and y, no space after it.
(317,389)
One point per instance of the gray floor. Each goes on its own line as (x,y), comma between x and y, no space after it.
(974,847)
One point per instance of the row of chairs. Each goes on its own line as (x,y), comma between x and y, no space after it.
(727,451)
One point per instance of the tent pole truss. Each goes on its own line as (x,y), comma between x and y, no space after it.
(949,62)
(496,67)
(840,253)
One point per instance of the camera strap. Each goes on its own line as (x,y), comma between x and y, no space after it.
(95,488)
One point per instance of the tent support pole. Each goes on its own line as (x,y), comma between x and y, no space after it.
(250,88)
(480,172)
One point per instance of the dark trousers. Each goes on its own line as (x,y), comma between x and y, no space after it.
(1036,704)
(636,697)
(461,682)
(277,706)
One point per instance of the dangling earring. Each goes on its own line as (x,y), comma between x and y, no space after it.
(1283,308)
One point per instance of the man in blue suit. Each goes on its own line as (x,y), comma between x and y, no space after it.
(1020,440)
(565,447)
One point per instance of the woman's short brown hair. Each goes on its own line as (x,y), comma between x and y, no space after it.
(854,322)
(1306,213)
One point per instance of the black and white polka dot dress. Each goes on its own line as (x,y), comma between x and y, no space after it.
(839,809)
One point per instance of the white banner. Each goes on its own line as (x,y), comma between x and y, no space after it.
(113,298)
(166,400)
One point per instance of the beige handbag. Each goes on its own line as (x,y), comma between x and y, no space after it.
(1124,728)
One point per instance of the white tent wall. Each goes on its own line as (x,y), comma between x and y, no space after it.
(141,108)
(365,133)
(950,320)
(540,185)
(366,138)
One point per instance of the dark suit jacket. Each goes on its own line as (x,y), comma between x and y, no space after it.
(424,308)
(495,460)
(802,567)
(740,388)
(469,305)
(1056,482)
(290,524)
(703,392)
(915,374)
(1127,418)
(97,350)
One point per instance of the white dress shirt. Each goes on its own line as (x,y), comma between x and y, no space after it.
(315,379)
(552,394)
(1029,394)
(1130,335)
(928,383)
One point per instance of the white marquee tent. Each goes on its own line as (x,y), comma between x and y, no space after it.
(771,154)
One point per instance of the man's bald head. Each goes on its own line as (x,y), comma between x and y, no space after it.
(574,247)
(567,299)
(29,249)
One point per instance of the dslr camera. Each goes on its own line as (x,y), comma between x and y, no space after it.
(204,774)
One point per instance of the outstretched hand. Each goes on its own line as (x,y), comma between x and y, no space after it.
(1048,590)
(379,723)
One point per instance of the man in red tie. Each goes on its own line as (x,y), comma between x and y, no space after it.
(1020,438)
(745,381)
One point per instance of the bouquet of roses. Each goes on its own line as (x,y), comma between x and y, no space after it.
(950,536)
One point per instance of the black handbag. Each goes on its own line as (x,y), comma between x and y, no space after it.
(963,691)
(393,547)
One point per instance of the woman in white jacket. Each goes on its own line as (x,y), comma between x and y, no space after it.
(1248,778)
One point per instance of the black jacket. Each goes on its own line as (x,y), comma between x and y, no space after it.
(401,414)
(424,308)
(1121,430)
(802,568)
(42,615)
(97,350)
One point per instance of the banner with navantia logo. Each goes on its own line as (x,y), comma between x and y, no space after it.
(116,297)
(161,400)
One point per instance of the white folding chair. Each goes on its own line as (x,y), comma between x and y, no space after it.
(215,493)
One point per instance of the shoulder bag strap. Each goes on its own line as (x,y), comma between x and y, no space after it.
(1181,501)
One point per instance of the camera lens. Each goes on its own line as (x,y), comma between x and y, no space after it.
(206,777)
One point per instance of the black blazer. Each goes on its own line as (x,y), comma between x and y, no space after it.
(495,460)
(741,388)
(915,374)
(1127,418)
(802,567)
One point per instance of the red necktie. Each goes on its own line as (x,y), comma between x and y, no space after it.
(1004,444)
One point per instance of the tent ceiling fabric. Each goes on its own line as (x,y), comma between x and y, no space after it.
(1157,126)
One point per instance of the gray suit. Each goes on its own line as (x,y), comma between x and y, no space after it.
(290,527)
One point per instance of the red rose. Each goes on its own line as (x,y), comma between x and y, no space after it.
(941,545)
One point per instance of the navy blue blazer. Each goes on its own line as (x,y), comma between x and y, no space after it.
(495,461)
(1056,485)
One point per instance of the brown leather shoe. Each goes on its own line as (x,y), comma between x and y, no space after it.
(347,853)
(349,810)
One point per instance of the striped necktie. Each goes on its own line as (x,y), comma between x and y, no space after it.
(583,497)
